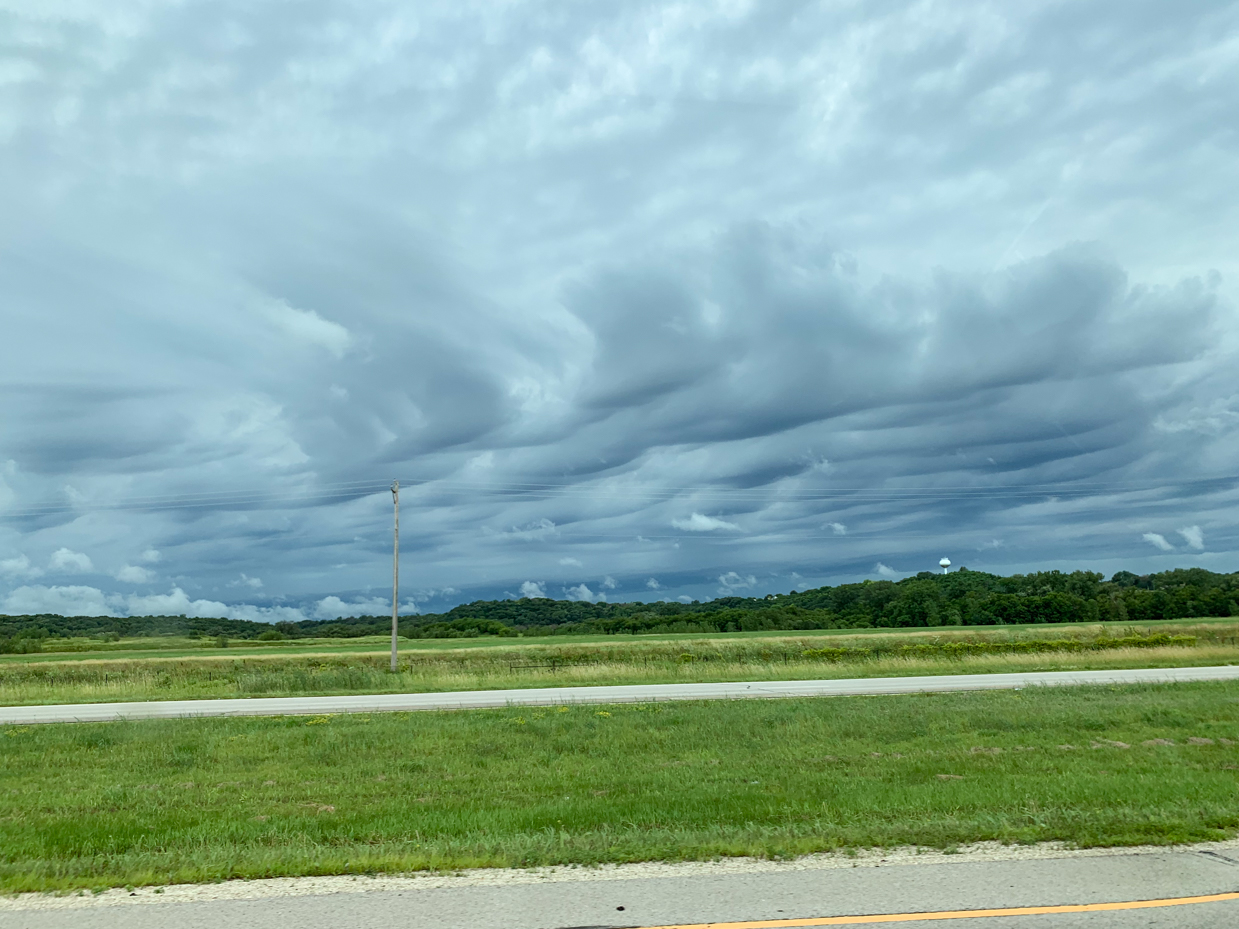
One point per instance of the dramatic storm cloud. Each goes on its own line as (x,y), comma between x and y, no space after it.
(635,301)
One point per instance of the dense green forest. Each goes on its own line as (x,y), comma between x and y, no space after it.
(961,598)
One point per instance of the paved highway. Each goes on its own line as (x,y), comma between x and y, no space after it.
(633,693)
(1184,887)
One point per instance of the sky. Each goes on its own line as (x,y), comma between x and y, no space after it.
(637,301)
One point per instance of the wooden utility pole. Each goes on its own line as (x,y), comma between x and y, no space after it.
(395,570)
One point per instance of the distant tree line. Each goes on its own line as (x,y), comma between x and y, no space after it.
(962,598)
(20,633)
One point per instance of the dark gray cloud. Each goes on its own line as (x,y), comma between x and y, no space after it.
(645,301)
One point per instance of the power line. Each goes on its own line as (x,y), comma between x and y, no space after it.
(350,490)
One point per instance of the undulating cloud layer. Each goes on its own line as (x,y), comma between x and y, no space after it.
(635,301)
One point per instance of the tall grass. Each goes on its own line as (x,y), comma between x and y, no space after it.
(623,662)
(94,805)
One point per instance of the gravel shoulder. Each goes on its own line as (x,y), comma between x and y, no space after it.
(274,889)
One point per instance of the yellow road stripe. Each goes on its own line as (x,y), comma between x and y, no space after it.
(955,914)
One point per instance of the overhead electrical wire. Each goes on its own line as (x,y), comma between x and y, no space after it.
(274,498)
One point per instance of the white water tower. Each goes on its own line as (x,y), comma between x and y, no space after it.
(944,564)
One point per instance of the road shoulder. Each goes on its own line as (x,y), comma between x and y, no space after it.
(1223,853)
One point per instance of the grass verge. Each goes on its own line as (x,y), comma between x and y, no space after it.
(1212,628)
(627,661)
(96,805)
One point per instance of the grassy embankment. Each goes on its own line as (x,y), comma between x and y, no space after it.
(474,664)
(95,805)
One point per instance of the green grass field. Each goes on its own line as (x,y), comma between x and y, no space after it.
(501,664)
(96,805)
(185,647)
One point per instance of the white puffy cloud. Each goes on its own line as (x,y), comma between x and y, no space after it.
(67,561)
(79,600)
(570,562)
(64,601)
(309,327)
(151,556)
(1194,537)
(19,566)
(178,603)
(135,574)
(652,583)
(263,614)
(1157,540)
(699,523)
(254,583)
(837,528)
(581,592)
(733,582)
(334,607)
(885,570)
(532,590)
(609,583)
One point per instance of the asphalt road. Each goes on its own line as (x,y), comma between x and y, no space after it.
(634,693)
(771,895)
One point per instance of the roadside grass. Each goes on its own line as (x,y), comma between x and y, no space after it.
(87,806)
(630,661)
(85,648)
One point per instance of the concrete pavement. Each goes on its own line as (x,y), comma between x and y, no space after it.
(774,894)
(631,693)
